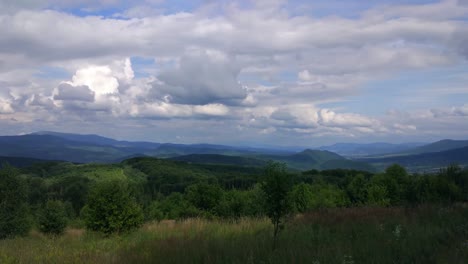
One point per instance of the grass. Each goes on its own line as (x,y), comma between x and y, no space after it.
(354,235)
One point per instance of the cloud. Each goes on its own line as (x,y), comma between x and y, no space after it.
(162,110)
(242,68)
(99,79)
(5,107)
(66,91)
(201,78)
(460,111)
(330,118)
(436,10)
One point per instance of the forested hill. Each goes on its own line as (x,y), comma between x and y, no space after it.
(425,161)
(93,148)
(305,160)
(442,145)
(20,162)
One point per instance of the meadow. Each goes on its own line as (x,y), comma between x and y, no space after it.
(423,234)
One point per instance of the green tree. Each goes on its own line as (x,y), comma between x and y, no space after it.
(301,197)
(53,219)
(356,190)
(377,195)
(396,183)
(111,208)
(14,211)
(277,186)
(204,196)
(233,204)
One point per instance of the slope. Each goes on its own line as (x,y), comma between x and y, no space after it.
(424,161)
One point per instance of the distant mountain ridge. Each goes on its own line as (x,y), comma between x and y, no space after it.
(304,160)
(368,149)
(94,148)
(438,146)
(424,161)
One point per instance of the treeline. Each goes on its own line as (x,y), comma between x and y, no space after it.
(29,197)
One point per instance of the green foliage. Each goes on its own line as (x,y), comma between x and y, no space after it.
(14,212)
(356,190)
(277,186)
(204,196)
(377,195)
(301,197)
(168,176)
(327,196)
(73,189)
(53,219)
(176,206)
(154,212)
(233,204)
(111,208)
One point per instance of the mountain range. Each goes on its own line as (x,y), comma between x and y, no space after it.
(369,149)
(26,149)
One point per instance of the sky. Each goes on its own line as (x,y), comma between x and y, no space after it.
(264,72)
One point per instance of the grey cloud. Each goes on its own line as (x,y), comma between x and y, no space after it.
(68,92)
(40,100)
(201,79)
(460,111)
(460,40)
(283,115)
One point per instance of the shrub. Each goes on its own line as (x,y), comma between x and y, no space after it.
(111,208)
(53,219)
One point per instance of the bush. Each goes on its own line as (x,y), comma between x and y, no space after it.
(14,212)
(111,208)
(204,196)
(53,219)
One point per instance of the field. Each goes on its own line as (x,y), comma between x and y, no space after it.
(426,234)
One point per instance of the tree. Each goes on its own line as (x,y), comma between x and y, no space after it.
(111,208)
(233,204)
(204,196)
(395,179)
(356,190)
(14,211)
(301,197)
(377,195)
(53,219)
(277,186)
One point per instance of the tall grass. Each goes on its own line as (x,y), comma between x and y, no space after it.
(355,235)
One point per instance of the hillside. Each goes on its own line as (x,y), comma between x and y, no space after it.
(100,140)
(347,164)
(221,159)
(20,162)
(425,161)
(93,148)
(442,145)
(49,147)
(316,159)
(359,150)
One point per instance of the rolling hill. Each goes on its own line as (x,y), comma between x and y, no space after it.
(305,160)
(359,150)
(442,145)
(49,147)
(425,161)
(221,159)
(21,162)
(93,148)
